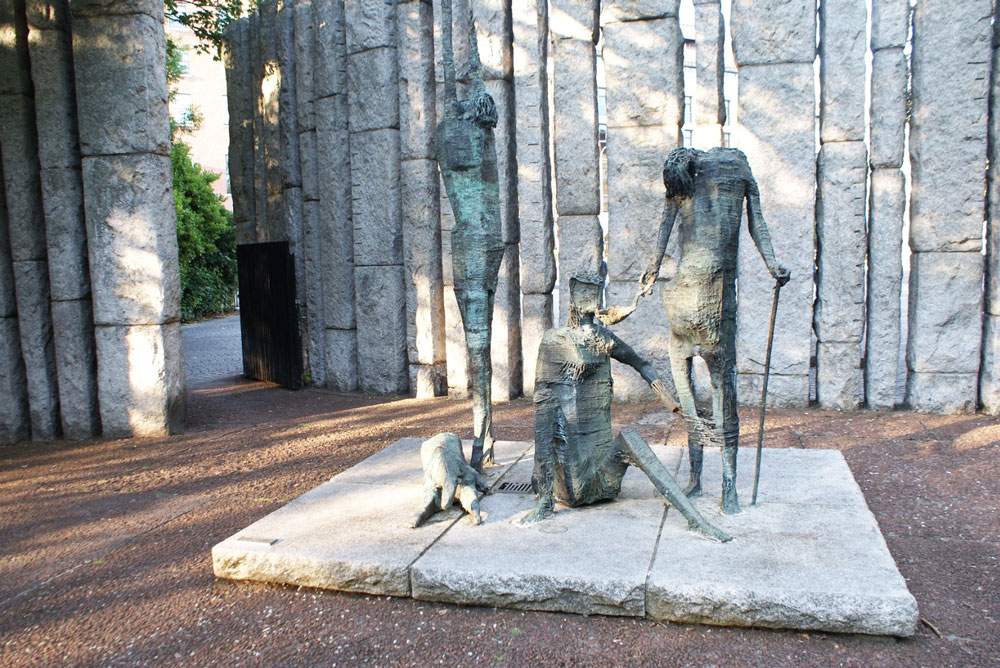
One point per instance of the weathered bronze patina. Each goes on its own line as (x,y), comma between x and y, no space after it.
(577,460)
(448,478)
(466,154)
(705,194)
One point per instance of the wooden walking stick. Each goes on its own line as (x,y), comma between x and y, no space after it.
(763,395)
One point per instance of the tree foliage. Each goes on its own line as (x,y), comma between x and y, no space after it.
(207,19)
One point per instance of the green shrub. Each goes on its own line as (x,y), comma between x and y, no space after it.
(206,240)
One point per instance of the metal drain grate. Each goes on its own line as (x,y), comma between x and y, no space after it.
(515,488)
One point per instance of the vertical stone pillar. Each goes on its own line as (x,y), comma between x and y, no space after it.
(333,182)
(50,45)
(119,59)
(15,423)
(710,63)
(272,181)
(260,134)
(534,178)
(643,59)
(240,98)
(775,46)
(373,100)
(421,201)
(951,57)
(989,375)
(889,33)
(573,27)
(839,318)
(26,220)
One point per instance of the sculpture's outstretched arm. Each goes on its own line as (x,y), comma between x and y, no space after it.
(615,314)
(670,211)
(475,66)
(758,232)
(624,353)
(448,57)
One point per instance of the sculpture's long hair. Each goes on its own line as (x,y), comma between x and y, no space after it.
(678,172)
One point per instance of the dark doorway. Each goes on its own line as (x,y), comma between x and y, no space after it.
(268,313)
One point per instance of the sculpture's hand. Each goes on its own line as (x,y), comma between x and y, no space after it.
(648,279)
(664,396)
(780,274)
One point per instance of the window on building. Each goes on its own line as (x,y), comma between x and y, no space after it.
(180,109)
(688,136)
(687,109)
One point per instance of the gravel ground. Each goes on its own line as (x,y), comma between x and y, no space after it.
(105,545)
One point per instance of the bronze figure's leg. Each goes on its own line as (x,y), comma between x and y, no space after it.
(476,306)
(680,368)
(722,367)
(634,450)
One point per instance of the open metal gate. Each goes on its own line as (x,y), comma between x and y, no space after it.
(269,323)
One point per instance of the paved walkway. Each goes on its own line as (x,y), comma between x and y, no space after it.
(212,350)
(105,545)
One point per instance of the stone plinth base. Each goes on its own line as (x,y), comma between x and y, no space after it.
(809,555)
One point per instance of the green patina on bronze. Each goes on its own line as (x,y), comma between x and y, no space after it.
(448,478)
(705,195)
(577,459)
(466,155)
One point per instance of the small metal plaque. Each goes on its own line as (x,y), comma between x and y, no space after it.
(515,488)
(258,539)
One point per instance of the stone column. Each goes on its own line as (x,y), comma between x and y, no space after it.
(240,98)
(643,59)
(839,318)
(51,49)
(775,46)
(272,182)
(26,220)
(534,178)
(421,201)
(15,422)
(333,182)
(890,30)
(260,134)
(373,100)
(573,28)
(989,375)
(121,87)
(710,63)
(951,57)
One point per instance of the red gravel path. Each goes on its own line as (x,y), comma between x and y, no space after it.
(105,545)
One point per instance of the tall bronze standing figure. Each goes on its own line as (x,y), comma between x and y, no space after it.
(705,192)
(466,154)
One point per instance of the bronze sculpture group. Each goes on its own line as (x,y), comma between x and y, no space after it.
(577,459)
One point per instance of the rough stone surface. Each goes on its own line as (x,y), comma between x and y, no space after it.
(534,164)
(581,248)
(116,7)
(372,82)
(782,157)
(810,515)
(76,363)
(428,380)
(457,362)
(644,70)
(240,99)
(638,10)
(15,423)
(35,324)
(536,317)
(18,146)
(140,375)
(505,342)
(799,553)
(375,194)
(422,244)
(315,310)
(505,138)
(121,84)
(635,196)
(888,107)
(65,233)
(945,313)
(942,393)
(8,298)
(342,359)
(773,31)
(951,57)
(575,127)
(370,24)
(890,23)
(329,64)
(648,333)
(783,390)
(839,375)
(709,98)
(885,274)
(843,45)
(841,236)
(416,79)
(55,95)
(989,374)
(493,34)
(381,303)
(574,19)
(305,37)
(132,239)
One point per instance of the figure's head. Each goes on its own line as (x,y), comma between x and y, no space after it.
(678,172)
(584,295)
(484,110)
